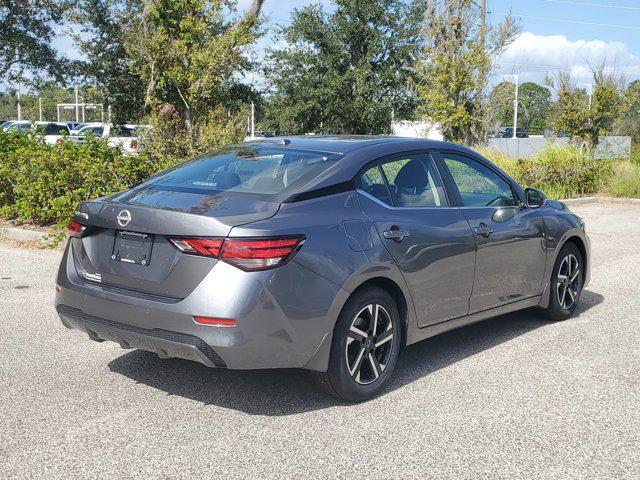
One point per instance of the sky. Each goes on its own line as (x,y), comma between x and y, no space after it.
(573,35)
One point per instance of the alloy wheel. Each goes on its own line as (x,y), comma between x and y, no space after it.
(369,344)
(568,281)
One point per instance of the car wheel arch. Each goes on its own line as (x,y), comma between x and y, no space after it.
(570,237)
(396,293)
(578,241)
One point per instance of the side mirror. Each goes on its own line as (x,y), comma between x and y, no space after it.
(534,198)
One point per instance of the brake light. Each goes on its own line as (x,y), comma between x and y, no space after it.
(249,254)
(208,247)
(75,229)
(134,144)
(260,253)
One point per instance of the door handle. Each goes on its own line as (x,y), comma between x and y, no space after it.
(483,230)
(394,233)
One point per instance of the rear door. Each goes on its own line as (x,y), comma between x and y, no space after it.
(430,240)
(510,258)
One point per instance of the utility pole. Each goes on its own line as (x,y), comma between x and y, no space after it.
(77,107)
(40,108)
(19,104)
(483,27)
(515,109)
(253,120)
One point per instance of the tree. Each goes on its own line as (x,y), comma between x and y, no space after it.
(27,28)
(572,112)
(344,72)
(454,70)
(534,102)
(630,122)
(105,24)
(189,54)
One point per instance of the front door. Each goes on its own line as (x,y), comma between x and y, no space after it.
(510,258)
(430,240)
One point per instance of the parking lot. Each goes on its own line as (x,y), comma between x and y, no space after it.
(512,397)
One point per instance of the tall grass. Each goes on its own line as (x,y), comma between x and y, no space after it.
(625,180)
(561,171)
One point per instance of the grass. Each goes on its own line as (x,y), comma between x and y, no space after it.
(563,171)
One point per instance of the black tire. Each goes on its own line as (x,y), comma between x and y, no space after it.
(369,378)
(562,305)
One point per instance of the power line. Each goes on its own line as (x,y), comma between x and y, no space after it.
(562,20)
(589,4)
(560,67)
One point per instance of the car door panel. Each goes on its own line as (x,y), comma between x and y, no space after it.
(437,258)
(510,261)
(510,257)
(432,246)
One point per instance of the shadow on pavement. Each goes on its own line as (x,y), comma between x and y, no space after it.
(291,391)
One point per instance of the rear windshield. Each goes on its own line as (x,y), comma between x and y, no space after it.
(251,170)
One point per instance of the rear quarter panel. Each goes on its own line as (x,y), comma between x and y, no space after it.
(342,246)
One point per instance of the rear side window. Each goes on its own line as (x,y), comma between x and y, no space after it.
(479,186)
(251,170)
(410,181)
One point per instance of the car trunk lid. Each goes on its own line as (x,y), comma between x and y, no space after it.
(128,245)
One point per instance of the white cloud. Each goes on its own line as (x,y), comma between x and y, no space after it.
(554,52)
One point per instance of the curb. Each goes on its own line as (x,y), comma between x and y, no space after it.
(22,234)
(583,200)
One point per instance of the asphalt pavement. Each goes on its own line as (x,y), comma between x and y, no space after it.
(512,397)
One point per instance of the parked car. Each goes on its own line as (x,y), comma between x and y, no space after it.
(79,126)
(124,137)
(324,253)
(507,132)
(52,132)
(5,124)
(18,126)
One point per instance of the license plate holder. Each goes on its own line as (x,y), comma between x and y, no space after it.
(132,247)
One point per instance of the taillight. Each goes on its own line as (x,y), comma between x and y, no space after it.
(75,229)
(260,253)
(134,144)
(249,254)
(208,247)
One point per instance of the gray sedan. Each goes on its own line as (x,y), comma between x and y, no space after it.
(324,253)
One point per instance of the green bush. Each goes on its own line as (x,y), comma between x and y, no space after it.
(561,171)
(44,184)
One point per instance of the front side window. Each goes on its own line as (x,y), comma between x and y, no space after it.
(410,181)
(479,186)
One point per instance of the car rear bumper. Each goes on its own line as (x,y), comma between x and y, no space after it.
(165,343)
(284,316)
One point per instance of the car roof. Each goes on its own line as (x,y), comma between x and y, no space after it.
(343,144)
(358,151)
